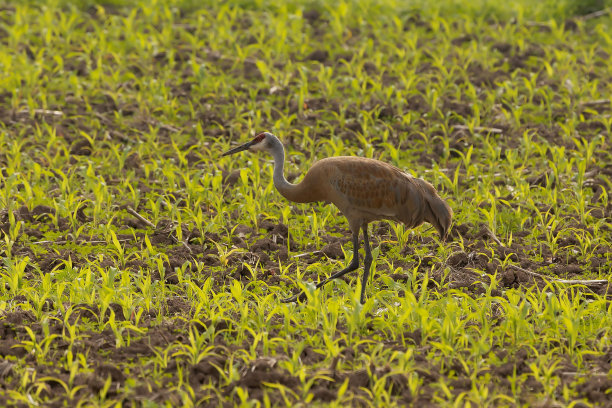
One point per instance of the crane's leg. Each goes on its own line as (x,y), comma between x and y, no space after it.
(351,267)
(367,262)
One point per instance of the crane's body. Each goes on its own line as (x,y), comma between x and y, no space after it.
(364,190)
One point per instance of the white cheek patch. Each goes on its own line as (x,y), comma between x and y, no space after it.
(257,147)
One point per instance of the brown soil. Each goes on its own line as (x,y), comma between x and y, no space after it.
(263,246)
(108,361)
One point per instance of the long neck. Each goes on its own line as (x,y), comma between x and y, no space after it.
(292,192)
(278,153)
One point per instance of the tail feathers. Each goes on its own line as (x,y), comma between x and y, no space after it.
(437,212)
(441,215)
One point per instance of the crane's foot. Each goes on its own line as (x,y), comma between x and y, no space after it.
(300,296)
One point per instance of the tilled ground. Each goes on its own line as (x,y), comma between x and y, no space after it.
(111,365)
(106,361)
(79,348)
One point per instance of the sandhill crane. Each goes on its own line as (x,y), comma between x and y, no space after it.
(364,190)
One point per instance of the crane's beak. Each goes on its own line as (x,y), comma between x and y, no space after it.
(238,149)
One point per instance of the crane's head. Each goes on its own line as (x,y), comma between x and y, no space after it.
(260,142)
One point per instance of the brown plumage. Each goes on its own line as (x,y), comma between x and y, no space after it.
(364,190)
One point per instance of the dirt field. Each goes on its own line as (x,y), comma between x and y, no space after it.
(140,268)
